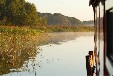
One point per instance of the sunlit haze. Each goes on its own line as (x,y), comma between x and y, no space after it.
(74,8)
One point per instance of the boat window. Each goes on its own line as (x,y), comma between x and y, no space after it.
(109,32)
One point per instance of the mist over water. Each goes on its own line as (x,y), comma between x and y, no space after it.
(61,54)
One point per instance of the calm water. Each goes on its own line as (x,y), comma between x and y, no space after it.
(62,54)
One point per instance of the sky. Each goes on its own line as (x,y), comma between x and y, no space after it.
(73,8)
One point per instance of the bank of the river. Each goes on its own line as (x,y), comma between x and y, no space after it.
(18,30)
(66,28)
(34,30)
(14,38)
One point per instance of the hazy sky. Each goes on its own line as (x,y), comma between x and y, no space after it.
(73,8)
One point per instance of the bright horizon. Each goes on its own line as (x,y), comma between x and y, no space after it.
(73,8)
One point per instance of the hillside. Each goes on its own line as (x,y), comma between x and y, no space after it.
(59,19)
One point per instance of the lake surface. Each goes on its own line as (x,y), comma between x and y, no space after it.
(62,54)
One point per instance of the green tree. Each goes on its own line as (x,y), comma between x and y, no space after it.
(18,12)
(15,11)
(2,8)
(31,13)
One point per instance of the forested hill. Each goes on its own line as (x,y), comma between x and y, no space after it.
(88,23)
(21,12)
(59,19)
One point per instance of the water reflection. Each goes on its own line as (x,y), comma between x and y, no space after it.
(94,62)
(14,51)
(26,55)
(66,59)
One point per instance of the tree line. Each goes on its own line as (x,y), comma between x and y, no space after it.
(59,19)
(18,12)
(89,23)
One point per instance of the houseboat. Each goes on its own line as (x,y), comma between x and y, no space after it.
(103,39)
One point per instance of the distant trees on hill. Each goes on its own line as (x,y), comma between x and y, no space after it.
(89,23)
(59,19)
